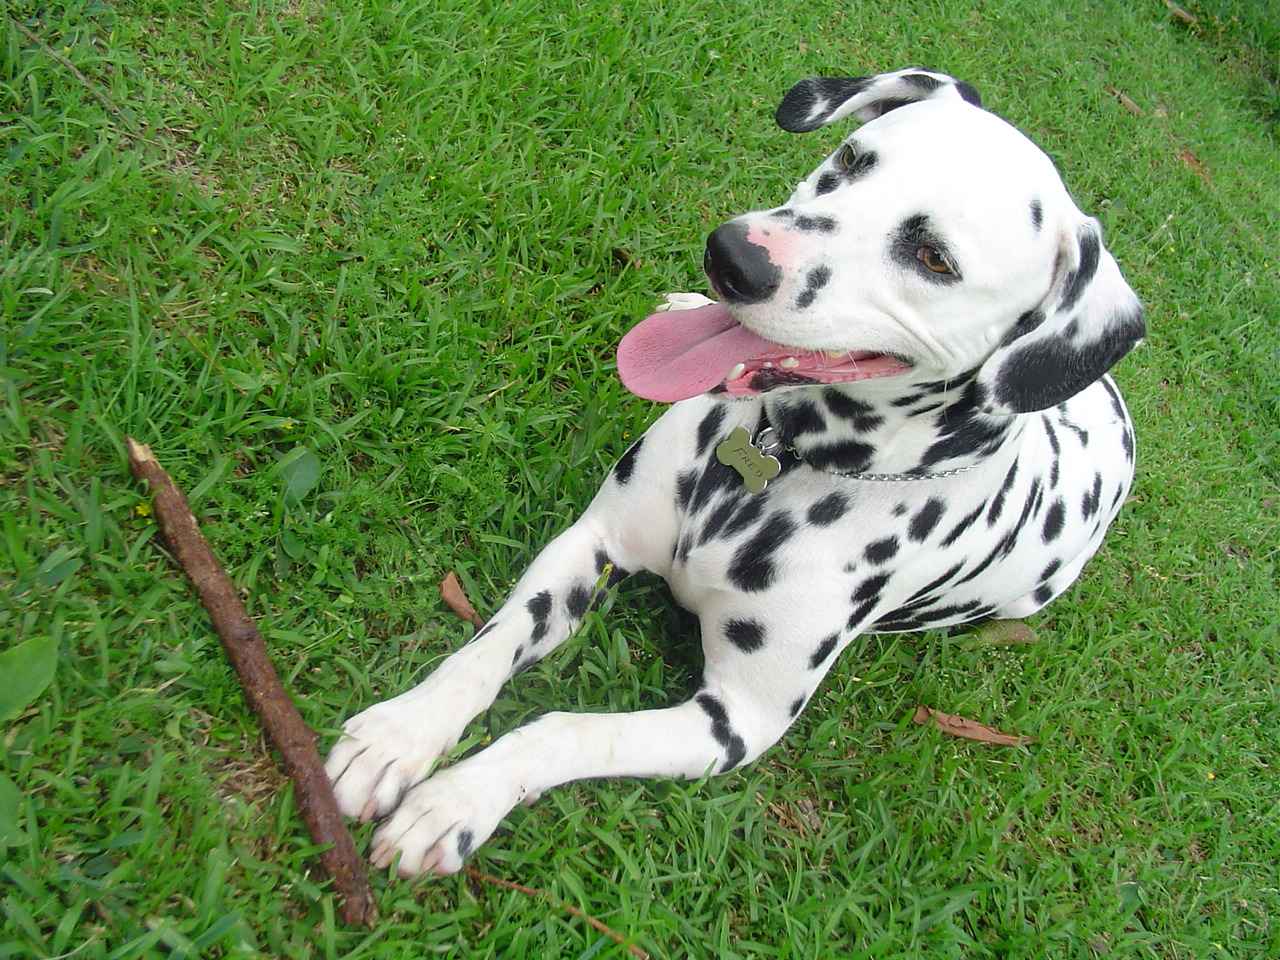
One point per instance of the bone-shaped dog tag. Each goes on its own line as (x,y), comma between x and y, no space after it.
(755,468)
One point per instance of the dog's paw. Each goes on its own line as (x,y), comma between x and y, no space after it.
(384,751)
(682,301)
(441,821)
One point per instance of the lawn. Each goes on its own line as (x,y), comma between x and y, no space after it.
(357,270)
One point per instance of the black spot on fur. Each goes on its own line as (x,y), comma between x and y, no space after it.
(795,419)
(858,618)
(721,730)
(1050,570)
(963,430)
(1080,278)
(747,635)
(817,279)
(748,514)
(1037,214)
(924,596)
(927,408)
(616,576)
(715,477)
(1092,501)
(900,510)
(1051,434)
(1116,403)
(968,93)
(515,657)
(579,600)
(1053,521)
(847,456)
(814,224)
(719,516)
(1126,439)
(539,607)
(627,462)
(752,569)
(881,551)
(922,81)
(858,413)
(906,401)
(1026,323)
(828,510)
(826,183)
(965,523)
(891,103)
(685,484)
(796,706)
(922,523)
(1043,594)
(709,428)
(997,503)
(870,588)
(465,840)
(819,656)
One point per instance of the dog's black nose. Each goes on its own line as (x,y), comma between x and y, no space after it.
(740,271)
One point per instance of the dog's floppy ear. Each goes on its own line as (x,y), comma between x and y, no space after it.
(815,102)
(1089,320)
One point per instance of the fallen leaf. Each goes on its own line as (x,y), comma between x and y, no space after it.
(1005,632)
(968,729)
(451,592)
(1194,164)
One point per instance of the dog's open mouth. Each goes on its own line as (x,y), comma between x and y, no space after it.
(681,353)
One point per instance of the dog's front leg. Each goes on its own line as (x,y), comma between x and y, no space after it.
(442,820)
(392,744)
(630,525)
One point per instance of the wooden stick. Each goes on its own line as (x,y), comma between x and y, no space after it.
(280,719)
(608,931)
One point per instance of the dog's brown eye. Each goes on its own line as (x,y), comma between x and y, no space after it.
(932,259)
(846,158)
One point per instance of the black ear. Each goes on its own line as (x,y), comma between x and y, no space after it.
(815,102)
(1089,320)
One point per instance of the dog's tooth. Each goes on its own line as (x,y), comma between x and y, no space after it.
(738,370)
(788,363)
(768,363)
(837,354)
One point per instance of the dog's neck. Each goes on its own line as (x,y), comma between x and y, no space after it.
(889,426)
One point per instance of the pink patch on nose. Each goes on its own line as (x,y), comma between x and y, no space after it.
(774,238)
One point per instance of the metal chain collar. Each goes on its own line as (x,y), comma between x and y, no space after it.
(770,444)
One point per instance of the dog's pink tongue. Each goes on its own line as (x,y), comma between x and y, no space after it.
(681,353)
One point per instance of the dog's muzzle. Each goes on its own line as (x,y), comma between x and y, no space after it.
(740,271)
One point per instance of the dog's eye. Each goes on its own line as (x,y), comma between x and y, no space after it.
(934,260)
(846,158)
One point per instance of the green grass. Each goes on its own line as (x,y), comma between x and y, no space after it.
(406,237)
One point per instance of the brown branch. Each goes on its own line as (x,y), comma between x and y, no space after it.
(608,931)
(262,688)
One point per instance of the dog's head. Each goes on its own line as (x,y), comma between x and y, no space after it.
(934,240)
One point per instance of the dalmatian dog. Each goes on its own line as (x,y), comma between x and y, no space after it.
(896,417)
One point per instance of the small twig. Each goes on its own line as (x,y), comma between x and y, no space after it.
(102,98)
(608,931)
(247,652)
